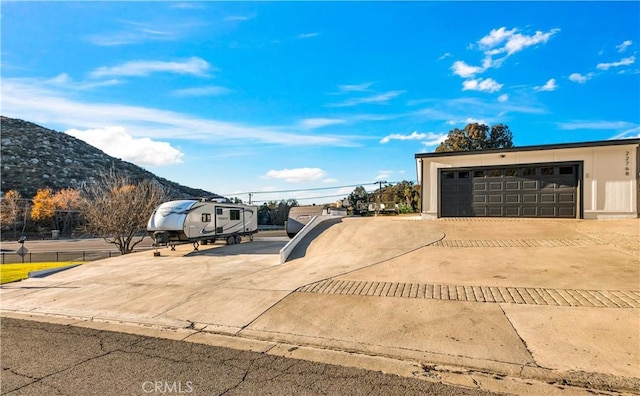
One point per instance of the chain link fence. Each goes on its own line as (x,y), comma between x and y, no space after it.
(49,257)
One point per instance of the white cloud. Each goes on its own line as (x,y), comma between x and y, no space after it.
(133,32)
(320,122)
(633,133)
(363,87)
(503,98)
(445,55)
(495,37)
(396,136)
(62,78)
(212,90)
(580,78)
(433,139)
(307,35)
(384,175)
(500,41)
(382,98)
(510,41)
(296,175)
(611,125)
(548,86)
(484,85)
(624,45)
(116,142)
(236,18)
(468,120)
(194,66)
(518,41)
(623,62)
(427,139)
(472,120)
(65,81)
(186,6)
(32,100)
(463,70)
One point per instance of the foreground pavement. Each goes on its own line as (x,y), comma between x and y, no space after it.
(49,359)
(516,306)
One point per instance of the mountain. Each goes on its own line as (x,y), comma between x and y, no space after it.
(34,157)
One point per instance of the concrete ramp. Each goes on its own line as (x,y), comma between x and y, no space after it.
(297,247)
(362,241)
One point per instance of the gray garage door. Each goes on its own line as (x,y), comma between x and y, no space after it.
(541,190)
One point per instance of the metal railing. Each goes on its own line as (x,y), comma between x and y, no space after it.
(48,257)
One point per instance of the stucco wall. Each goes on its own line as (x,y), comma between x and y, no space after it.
(610,186)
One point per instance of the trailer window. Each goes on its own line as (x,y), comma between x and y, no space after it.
(218,211)
(206,217)
(234,214)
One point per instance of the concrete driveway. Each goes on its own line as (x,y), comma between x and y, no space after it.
(550,300)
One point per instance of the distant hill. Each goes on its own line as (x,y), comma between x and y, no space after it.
(34,157)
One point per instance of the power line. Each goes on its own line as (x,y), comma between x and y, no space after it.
(302,189)
(300,199)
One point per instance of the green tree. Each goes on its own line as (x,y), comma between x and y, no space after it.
(405,194)
(500,137)
(274,212)
(358,195)
(477,137)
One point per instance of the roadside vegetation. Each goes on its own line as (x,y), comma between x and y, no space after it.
(112,208)
(15,272)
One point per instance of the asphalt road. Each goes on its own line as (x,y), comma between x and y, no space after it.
(70,244)
(42,358)
(67,245)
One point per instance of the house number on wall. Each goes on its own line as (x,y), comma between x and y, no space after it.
(626,163)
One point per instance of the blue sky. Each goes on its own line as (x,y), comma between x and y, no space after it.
(234,97)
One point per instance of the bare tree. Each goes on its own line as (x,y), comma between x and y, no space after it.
(67,203)
(118,211)
(10,210)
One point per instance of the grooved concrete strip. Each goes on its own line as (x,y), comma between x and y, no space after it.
(450,243)
(592,230)
(626,242)
(488,294)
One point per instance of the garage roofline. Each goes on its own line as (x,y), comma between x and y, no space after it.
(598,143)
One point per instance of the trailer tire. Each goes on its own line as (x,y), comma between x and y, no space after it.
(205,242)
(238,239)
(231,240)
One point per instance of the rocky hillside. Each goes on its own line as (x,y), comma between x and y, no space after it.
(34,157)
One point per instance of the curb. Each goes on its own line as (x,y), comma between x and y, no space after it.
(492,377)
(50,271)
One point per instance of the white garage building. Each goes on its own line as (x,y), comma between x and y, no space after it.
(572,180)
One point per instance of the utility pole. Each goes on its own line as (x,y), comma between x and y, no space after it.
(379,197)
(250,194)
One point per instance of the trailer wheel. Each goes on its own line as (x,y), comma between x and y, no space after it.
(238,239)
(205,242)
(231,240)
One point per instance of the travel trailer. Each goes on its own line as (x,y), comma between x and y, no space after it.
(299,216)
(201,222)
